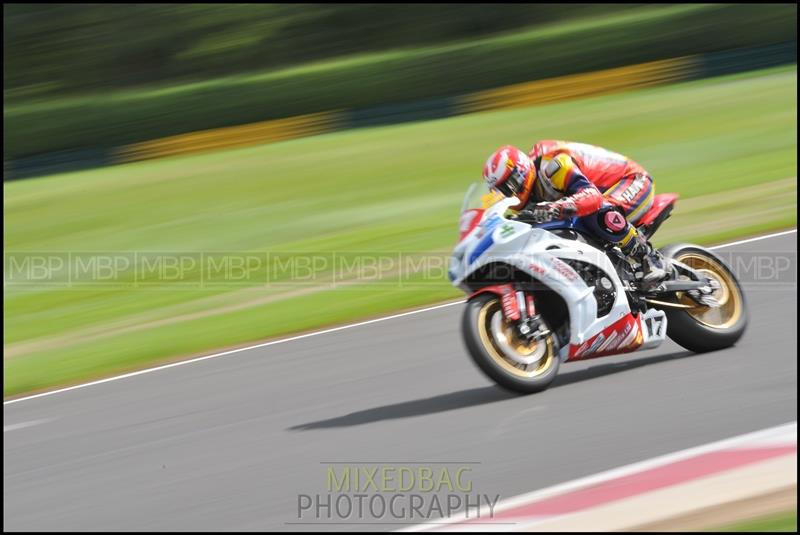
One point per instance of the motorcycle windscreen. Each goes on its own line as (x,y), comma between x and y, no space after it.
(476,201)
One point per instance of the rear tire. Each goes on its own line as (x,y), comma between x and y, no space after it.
(701,328)
(488,353)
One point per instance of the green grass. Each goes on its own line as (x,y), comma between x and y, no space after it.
(786,521)
(727,145)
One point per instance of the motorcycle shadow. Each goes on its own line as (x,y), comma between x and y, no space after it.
(593,372)
(476,396)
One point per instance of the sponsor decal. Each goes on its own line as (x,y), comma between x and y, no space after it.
(536,268)
(510,304)
(484,244)
(653,327)
(469,220)
(563,269)
(622,336)
(630,193)
(507,230)
(489,225)
(490,199)
(611,341)
(599,339)
(486,240)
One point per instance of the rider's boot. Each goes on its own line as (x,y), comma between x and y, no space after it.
(654,267)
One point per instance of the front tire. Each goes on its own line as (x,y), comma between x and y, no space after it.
(493,346)
(703,328)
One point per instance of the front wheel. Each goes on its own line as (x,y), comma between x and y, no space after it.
(703,328)
(513,363)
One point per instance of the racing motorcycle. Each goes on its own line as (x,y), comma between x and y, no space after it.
(544,294)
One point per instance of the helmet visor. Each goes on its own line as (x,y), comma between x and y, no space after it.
(512,185)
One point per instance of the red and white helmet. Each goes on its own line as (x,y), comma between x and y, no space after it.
(507,170)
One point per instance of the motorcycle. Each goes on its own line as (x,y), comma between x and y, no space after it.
(545,294)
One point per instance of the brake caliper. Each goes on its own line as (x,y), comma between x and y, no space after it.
(530,326)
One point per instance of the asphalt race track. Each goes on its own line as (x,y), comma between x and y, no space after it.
(229,443)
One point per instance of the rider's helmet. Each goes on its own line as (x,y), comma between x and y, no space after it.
(507,170)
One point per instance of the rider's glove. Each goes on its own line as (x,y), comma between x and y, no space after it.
(544,212)
(548,211)
(541,213)
(566,208)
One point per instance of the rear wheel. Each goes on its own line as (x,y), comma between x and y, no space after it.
(707,328)
(496,348)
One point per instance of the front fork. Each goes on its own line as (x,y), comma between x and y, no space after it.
(519,309)
(530,325)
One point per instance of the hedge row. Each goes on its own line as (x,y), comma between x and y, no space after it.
(104,121)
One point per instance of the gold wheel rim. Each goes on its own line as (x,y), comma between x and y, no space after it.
(525,349)
(728,295)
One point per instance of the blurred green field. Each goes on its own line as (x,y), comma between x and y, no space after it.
(727,145)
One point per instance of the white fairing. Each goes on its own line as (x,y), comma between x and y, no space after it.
(538,253)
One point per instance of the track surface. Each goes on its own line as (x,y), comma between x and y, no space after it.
(229,443)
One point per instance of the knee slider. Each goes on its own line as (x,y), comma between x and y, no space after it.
(613,221)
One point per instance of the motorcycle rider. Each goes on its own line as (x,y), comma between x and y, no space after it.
(562,179)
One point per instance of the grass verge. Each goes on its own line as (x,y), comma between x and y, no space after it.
(786,521)
(727,145)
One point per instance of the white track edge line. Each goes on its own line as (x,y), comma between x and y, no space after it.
(757,238)
(23,425)
(298,337)
(229,352)
(621,471)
